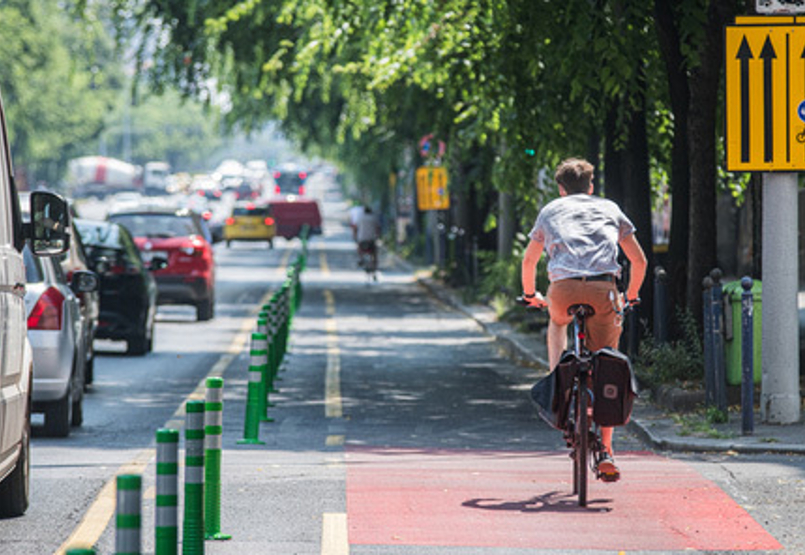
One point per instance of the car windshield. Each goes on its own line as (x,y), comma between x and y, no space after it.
(99,235)
(157,225)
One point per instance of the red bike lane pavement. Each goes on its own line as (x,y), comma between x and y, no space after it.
(436,497)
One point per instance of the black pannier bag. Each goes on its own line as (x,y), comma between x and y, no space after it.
(614,387)
(551,395)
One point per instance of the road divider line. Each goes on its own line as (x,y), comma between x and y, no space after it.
(282,268)
(332,379)
(100,512)
(325,268)
(335,440)
(334,534)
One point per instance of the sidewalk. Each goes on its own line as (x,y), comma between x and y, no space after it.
(657,427)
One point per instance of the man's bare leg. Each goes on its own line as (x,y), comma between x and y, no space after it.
(557,343)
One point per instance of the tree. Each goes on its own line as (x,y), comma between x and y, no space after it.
(57,83)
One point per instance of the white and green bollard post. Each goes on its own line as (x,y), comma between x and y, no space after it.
(167,500)
(193,531)
(213,446)
(128,516)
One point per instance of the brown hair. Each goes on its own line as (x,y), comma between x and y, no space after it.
(574,175)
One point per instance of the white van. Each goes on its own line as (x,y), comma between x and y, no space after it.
(48,235)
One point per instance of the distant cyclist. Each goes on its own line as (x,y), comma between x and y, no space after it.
(581,234)
(367,232)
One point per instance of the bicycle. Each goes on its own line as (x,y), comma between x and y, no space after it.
(368,261)
(583,439)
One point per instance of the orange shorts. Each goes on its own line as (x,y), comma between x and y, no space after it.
(605,326)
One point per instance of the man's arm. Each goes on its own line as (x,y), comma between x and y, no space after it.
(637,265)
(528,272)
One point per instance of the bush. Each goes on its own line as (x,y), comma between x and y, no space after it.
(679,362)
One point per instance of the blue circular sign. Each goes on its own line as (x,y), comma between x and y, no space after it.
(801,111)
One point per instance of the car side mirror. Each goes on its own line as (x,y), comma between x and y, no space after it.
(85,282)
(49,229)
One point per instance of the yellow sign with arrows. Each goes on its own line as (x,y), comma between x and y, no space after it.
(431,188)
(765,82)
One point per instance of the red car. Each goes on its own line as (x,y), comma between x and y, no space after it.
(182,239)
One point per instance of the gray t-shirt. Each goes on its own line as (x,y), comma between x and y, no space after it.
(581,235)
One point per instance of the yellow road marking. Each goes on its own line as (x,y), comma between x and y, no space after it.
(332,378)
(100,512)
(282,268)
(325,268)
(97,517)
(334,538)
(334,440)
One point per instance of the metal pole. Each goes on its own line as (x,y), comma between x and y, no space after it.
(660,305)
(747,358)
(709,374)
(717,326)
(780,395)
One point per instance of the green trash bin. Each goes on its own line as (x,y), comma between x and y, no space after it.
(732,330)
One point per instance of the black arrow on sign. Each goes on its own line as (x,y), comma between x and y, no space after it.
(767,54)
(744,55)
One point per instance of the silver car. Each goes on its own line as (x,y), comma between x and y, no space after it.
(57,336)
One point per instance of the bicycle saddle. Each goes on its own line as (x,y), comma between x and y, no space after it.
(574,308)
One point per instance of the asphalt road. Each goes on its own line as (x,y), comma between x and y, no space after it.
(398,429)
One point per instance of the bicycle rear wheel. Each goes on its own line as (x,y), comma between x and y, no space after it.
(582,446)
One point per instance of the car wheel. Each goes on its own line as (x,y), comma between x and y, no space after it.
(137,345)
(15,489)
(78,412)
(89,372)
(59,415)
(205,310)
(149,344)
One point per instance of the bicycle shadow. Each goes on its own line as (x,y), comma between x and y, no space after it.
(552,502)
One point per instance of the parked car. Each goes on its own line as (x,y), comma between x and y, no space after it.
(250,222)
(48,237)
(56,330)
(74,260)
(128,291)
(181,237)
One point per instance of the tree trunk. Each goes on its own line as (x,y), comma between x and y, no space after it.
(679,92)
(704,87)
(637,201)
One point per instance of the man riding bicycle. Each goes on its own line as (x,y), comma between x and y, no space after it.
(367,232)
(581,234)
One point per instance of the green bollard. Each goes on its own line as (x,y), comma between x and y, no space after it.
(258,357)
(167,500)
(127,514)
(273,346)
(262,330)
(213,445)
(254,405)
(193,531)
